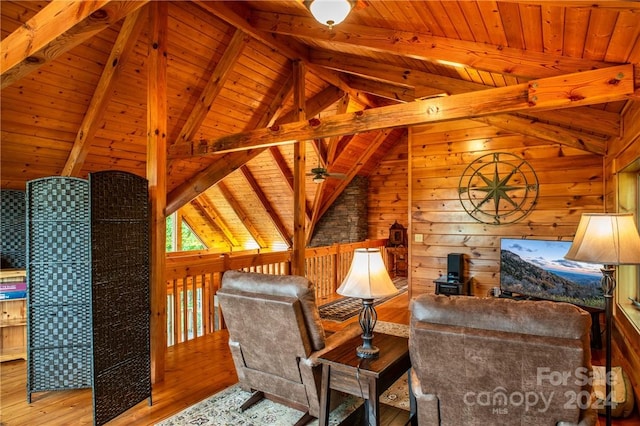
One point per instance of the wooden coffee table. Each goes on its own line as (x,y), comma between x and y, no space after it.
(344,371)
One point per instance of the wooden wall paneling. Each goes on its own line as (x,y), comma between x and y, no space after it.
(388,197)
(436,213)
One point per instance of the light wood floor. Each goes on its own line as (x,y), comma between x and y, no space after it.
(195,370)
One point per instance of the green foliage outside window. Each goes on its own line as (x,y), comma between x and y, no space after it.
(190,241)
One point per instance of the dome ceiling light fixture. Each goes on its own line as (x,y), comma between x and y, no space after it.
(330,12)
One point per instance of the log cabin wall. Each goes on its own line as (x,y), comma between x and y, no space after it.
(388,198)
(623,162)
(570,183)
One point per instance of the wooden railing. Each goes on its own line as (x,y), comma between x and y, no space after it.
(194,278)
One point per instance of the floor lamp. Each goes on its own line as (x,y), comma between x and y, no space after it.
(608,240)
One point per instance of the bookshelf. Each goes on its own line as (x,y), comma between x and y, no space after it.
(13,319)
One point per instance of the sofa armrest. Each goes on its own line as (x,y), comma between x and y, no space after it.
(333,341)
(427,406)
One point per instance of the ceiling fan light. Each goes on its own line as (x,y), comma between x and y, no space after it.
(318,178)
(330,12)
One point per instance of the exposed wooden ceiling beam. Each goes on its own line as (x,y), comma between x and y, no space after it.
(547,132)
(599,121)
(216,82)
(266,205)
(481,56)
(333,141)
(211,215)
(56,29)
(242,214)
(236,15)
(579,89)
(383,89)
(299,168)
(286,172)
(229,162)
(120,52)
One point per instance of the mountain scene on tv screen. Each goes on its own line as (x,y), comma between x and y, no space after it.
(520,276)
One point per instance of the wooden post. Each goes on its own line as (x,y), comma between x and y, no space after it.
(299,195)
(156,174)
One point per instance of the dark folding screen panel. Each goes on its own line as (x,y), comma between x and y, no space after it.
(120,277)
(88,295)
(13,247)
(58,285)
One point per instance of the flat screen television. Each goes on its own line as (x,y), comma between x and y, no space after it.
(537,268)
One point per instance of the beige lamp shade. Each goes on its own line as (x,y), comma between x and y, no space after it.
(607,239)
(330,12)
(367,277)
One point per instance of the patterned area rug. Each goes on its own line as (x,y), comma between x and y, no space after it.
(222,409)
(343,309)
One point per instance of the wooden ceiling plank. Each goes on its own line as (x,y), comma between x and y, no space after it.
(546,132)
(56,29)
(552,24)
(530,15)
(242,214)
(293,50)
(621,45)
(215,84)
(474,19)
(385,90)
(575,31)
(579,89)
(255,187)
(500,59)
(586,118)
(122,49)
(601,27)
(285,171)
(492,21)
(229,162)
(209,212)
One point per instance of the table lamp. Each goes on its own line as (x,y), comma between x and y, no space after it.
(609,240)
(367,279)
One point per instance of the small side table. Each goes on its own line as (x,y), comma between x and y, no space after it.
(344,371)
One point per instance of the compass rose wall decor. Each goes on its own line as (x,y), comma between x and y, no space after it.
(498,188)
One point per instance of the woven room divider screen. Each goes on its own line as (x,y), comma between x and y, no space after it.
(12,232)
(88,289)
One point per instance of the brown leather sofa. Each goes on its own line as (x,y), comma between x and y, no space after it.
(490,361)
(275,335)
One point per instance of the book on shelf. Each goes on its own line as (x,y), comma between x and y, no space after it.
(12,275)
(13,286)
(12,295)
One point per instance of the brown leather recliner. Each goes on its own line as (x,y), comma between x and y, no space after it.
(490,361)
(275,336)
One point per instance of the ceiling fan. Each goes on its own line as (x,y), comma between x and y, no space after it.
(320,174)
